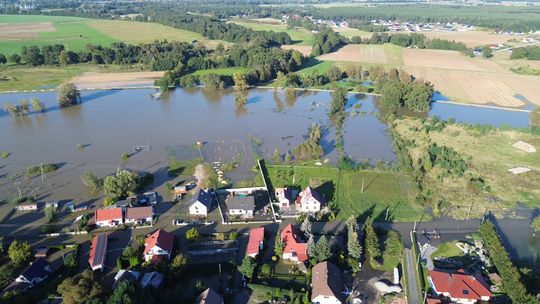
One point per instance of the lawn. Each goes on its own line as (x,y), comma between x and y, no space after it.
(259,293)
(20,78)
(298,35)
(223,71)
(382,190)
(317,67)
(448,249)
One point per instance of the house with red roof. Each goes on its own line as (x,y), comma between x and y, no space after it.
(98,250)
(158,245)
(459,287)
(294,248)
(309,201)
(109,217)
(256,241)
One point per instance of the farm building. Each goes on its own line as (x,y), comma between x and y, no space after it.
(200,203)
(159,244)
(240,205)
(523,146)
(109,217)
(294,248)
(98,251)
(139,215)
(27,207)
(459,287)
(326,284)
(256,241)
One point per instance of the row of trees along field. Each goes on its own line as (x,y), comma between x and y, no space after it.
(326,41)
(530,52)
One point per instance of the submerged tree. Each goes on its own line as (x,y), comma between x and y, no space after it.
(37,106)
(68,95)
(121,184)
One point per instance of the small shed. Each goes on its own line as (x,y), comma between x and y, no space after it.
(53,204)
(41,253)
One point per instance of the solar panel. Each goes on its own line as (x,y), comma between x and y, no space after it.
(99,251)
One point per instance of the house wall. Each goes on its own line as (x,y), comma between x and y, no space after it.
(198,209)
(109,223)
(310,205)
(325,300)
(241,212)
(156,251)
(146,219)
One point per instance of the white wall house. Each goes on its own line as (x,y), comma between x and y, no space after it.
(310,201)
(159,244)
(240,205)
(200,204)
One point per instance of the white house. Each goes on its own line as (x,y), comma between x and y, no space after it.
(326,284)
(158,245)
(284,197)
(309,200)
(200,204)
(240,205)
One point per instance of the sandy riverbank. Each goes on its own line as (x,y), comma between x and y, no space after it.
(89,80)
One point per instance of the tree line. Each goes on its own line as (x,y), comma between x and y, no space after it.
(529,52)
(326,41)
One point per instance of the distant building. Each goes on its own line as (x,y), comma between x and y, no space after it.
(284,197)
(326,284)
(240,205)
(27,207)
(459,287)
(310,201)
(98,251)
(158,244)
(200,203)
(108,217)
(209,296)
(139,215)
(256,241)
(294,248)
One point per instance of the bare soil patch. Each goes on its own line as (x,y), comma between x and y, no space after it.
(304,49)
(472,38)
(359,53)
(90,80)
(21,31)
(451,60)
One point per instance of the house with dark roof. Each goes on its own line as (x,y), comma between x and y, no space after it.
(284,197)
(200,203)
(326,284)
(309,201)
(37,272)
(209,296)
(152,279)
(158,245)
(98,250)
(240,205)
(139,215)
(459,287)
(294,248)
(125,275)
(256,241)
(109,217)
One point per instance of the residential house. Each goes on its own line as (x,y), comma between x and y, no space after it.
(158,245)
(98,250)
(125,275)
(27,207)
(284,197)
(152,279)
(256,241)
(326,284)
(240,205)
(459,287)
(139,215)
(294,248)
(309,200)
(209,296)
(200,203)
(109,217)
(37,272)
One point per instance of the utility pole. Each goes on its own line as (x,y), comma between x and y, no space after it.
(42,172)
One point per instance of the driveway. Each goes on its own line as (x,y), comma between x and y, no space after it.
(413,285)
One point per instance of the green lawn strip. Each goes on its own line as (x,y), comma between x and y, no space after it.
(221,71)
(259,293)
(448,249)
(182,167)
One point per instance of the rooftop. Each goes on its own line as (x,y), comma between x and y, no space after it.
(240,202)
(459,285)
(136,213)
(108,214)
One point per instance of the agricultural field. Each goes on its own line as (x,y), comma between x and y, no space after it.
(345,189)
(472,38)
(90,80)
(488,154)
(366,53)
(17,31)
(304,49)
(301,36)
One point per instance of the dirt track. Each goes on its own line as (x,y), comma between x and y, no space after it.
(18,31)
(91,80)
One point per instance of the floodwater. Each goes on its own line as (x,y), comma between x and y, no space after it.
(112,122)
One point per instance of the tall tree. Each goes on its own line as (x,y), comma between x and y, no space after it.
(324,250)
(121,184)
(372,240)
(80,289)
(68,95)
(353,243)
(19,252)
(247,267)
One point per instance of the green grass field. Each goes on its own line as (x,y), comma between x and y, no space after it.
(320,67)
(299,35)
(447,250)
(223,71)
(382,190)
(76,33)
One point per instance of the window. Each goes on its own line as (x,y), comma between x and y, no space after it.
(465,292)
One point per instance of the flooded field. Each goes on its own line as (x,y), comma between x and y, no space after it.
(92,136)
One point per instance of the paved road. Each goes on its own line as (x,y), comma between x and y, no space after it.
(413,285)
